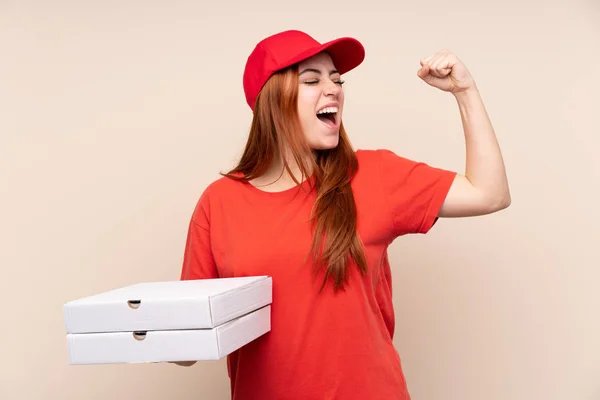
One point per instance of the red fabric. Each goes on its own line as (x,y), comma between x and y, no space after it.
(287,48)
(321,345)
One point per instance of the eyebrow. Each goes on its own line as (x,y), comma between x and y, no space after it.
(333,71)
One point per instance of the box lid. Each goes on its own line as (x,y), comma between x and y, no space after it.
(187,304)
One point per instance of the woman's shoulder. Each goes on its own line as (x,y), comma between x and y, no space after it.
(221,185)
(382,164)
(372,160)
(383,158)
(214,192)
(375,155)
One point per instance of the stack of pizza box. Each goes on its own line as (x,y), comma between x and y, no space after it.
(188,320)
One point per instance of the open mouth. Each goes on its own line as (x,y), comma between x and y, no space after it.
(328,115)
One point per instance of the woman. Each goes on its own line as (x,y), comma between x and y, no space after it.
(318,217)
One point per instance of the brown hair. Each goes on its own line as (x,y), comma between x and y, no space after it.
(275,127)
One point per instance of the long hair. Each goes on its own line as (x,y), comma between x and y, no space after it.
(276,129)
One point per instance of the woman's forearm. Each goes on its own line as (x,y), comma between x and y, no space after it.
(484,163)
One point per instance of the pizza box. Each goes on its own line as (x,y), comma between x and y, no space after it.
(185,304)
(168,345)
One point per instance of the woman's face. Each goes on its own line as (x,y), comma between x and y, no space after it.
(320,101)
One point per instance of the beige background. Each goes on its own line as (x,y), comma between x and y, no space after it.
(114,116)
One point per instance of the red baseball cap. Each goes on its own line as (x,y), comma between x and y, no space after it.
(287,48)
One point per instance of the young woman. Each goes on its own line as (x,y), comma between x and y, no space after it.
(317,216)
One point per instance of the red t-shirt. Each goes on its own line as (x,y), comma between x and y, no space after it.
(321,345)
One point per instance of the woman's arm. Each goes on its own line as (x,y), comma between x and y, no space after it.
(483,189)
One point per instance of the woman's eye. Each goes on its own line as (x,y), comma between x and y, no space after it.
(314,82)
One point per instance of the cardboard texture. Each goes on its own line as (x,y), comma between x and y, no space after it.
(168,321)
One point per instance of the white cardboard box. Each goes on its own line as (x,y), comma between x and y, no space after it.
(165,346)
(168,321)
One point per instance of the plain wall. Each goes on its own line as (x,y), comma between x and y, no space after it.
(115,115)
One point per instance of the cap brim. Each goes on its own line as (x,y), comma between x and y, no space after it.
(346,53)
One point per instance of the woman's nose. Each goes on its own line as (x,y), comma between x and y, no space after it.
(332,89)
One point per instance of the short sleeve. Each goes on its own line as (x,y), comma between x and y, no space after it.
(198,260)
(414,191)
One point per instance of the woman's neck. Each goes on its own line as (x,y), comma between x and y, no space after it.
(276,178)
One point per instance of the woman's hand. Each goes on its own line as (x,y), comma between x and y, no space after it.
(446,72)
(183,363)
